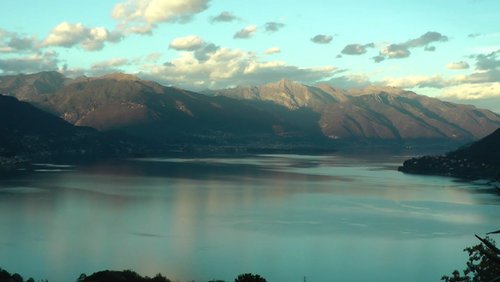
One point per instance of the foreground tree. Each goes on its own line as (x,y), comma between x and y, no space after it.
(483,264)
(120,276)
(5,276)
(249,277)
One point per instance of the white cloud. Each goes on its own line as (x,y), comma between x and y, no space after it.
(29,64)
(395,51)
(246,32)
(230,67)
(472,91)
(224,17)
(272,50)
(458,65)
(488,61)
(187,43)
(413,81)
(402,50)
(135,28)
(201,49)
(274,26)
(12,42)
(115,65)
(425,39)
(153,57)
(141,16)
(204,53)
(356,49)
(473,35)
(430,48)
(68,35)
(479,88)
(108,64)
(322,39)
(350,81)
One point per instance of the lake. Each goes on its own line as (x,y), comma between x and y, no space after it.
(285,217)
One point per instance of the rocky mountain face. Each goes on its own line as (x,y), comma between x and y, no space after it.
(406,116)
(383,113)
(479,159)
(286,93)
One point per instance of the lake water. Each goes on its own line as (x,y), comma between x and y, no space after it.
(285,217)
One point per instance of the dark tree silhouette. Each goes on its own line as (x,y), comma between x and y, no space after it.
(5,276)
(81,278)
(483,264)
(122,276)
(249,277)
(456,277)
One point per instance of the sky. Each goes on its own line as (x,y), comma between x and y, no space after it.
(449,49)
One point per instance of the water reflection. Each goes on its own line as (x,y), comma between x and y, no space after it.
(283,216)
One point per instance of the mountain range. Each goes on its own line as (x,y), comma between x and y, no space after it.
(375,112)
(282,113)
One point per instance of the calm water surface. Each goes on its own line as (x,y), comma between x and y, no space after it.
(328,218)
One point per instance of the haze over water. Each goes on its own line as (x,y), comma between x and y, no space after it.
(328,218)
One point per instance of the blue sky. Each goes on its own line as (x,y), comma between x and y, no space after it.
(444,48)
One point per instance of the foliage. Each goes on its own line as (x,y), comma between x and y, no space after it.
(483,264)
(456,277)
(121,276)
(249,277)
(5,276)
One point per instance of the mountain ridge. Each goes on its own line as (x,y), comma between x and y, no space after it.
(32,87)
(152,111)
(265,113)
(378,112)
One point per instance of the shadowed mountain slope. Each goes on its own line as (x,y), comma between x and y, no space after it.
(480,159)
(26,131)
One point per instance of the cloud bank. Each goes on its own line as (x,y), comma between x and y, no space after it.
(91,39)
(13,42)
(141,16)
(30,64)
(230,67)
